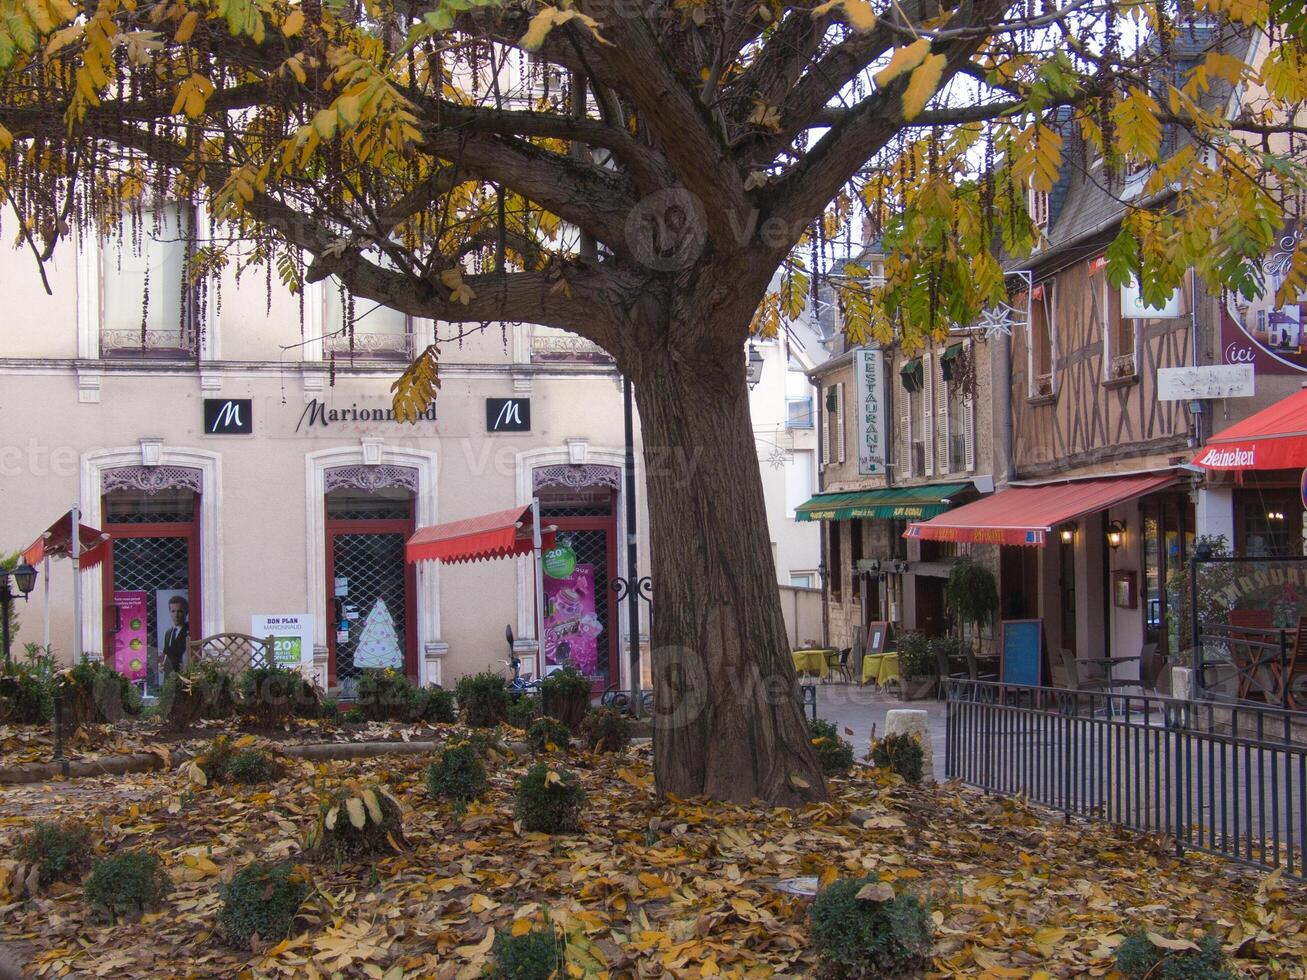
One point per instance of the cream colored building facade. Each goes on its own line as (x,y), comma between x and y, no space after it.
(103,397)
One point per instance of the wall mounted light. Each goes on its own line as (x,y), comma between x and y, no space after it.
(1116,534)
(1068,534)
(753,366)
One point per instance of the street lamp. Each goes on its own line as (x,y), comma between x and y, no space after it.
(753,366)
(25,578)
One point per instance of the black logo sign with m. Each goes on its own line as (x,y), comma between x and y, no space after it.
(228,416)
(508,414)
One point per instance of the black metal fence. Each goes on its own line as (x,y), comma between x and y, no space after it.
(1226,778)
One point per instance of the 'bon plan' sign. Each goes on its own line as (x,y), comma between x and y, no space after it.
(869,392)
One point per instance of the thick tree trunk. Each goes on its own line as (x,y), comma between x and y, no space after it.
(728,724)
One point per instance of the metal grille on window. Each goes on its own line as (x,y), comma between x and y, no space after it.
(159,567)
(374,606)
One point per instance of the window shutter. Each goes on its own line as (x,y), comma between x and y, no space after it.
(969,433)
(823,419)
(928,407)
(905,437)
(945,463)
(839,420)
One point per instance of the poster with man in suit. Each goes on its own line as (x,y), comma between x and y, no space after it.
(172,613)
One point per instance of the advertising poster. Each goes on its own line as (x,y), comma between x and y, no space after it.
(292,636)
(1263,332)
(571,627)
(172,612)
(130,643)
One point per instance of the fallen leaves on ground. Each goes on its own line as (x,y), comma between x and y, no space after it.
(649,889)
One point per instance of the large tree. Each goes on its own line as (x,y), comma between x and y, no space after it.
(639,178)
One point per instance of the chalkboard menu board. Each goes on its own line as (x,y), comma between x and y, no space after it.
(1023,652)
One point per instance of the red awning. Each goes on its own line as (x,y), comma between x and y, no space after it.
(502,534)
(1026,515)
(55,543)
(1273,439)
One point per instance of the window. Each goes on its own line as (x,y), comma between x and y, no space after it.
(834,561)
(149,307)
(369,331)
(798,479)
(1119,334)
(1037,205)
(1043,346)
(801,580)
(833,433)
(799,412)
(959,428)
(917,431)
(855,554)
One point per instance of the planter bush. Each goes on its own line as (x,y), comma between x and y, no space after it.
(834,754)
(354,716)
(202,690)
(27,687)
(901,754)
(548,735)
(385,694)
(330,711)
(567,696)
(549,801)
(95,693)
(482,698)
(606,730)
(252,766)
(1140,957)
(241,760)
(433,705)
(523,710)
(260,903)
(536,955)
(126,884)
(877,934)
(916,658)
(57,850)
(356,820)
(458,775)
(271,696)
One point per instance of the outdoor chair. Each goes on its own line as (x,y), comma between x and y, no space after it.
(234,652)
(855,659)
(1077,677)
(837,660)
(974,665)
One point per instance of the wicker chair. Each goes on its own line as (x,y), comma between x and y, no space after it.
(234,652)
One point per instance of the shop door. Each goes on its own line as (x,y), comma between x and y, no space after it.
(931,618)
(151,581)
(580,605)
(370,588)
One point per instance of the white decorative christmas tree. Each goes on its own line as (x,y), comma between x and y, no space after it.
(379,644)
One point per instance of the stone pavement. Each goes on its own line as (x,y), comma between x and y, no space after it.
(859,708)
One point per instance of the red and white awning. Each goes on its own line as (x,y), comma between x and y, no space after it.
(56,542)
(503,534)
(1273,439)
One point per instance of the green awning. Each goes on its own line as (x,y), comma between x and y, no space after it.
(911,503)
(913,375)
(951,353)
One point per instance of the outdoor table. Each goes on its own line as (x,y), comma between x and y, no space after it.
(811,660)
(1110,663)
(871,667)
(880,668)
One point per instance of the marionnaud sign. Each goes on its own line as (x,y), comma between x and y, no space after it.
(508,415)
(868,389)
(228,416)
(323,416)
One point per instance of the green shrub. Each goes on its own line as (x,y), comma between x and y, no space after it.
(203,689)
(458,775)
(482,699)
(900,753)
(1138,957)
(878,935)
(126,884)
(271,696)
(549,801)
(261,900)
(253,766)
(606,729)
(536,955)
(355,716)
(567,696)
(329,710)
(95,693)
(834,754)
(56,849)
(916,657)
(433,705)
(27,687)
(548,735)
(384,694)
(355,820)
(211,764)
(523,710)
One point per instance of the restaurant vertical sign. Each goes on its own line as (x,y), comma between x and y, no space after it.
(869,389)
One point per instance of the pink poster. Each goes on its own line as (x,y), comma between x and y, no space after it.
(571,627)
(129,643)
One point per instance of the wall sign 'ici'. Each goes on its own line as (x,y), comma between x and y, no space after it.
(228,416)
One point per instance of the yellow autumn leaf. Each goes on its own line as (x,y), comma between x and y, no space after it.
(478,949)
(1176,945)
(373,804)
(549,18)
(356,815)
(187,27)
(293,24)
(521,927)
(858,14)
(552,777)
(923,84)
(903,60)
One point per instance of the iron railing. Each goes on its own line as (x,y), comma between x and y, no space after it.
(1223,777)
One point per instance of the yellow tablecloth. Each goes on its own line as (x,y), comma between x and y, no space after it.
(880,668)
(810,661)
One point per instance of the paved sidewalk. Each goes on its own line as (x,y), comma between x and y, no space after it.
(859,708)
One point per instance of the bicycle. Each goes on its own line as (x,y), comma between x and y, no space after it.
(620,698)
